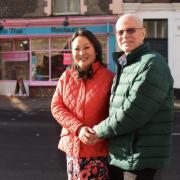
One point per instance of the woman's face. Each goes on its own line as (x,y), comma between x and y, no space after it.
(83,52)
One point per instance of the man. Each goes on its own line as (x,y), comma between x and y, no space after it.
(141,107)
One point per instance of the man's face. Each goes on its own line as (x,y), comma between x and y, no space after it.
(129,34)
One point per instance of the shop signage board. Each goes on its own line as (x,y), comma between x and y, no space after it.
(55,30)
(64,30)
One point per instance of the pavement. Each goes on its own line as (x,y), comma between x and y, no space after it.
(26,103)
(177,104)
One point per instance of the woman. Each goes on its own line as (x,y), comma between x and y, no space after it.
(80,101)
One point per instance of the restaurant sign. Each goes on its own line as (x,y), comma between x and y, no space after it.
(54,30)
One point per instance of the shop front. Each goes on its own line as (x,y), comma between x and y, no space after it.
(37,56)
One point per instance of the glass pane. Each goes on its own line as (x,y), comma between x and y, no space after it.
(40,66)
(146,1)
(66,6)
(14,66)
(150,28)
(132,1)
(104,55)
(103,41)
(1,67)
(58,64)
(40,44)
(161,29)
(156,28)
(73,5)
(22,45)
(60,43)
(6,45)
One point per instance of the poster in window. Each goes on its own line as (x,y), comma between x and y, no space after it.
(67,58)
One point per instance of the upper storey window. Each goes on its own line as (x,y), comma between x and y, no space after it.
(66,7)
(150,1)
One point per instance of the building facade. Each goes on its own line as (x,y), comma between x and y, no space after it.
(35,37)
(162,21)
(35,41)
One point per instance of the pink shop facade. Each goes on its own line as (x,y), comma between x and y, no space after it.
(38,51)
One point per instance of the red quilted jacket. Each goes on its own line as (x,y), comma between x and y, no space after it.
(77,102)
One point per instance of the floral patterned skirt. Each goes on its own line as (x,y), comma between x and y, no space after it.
(93,168)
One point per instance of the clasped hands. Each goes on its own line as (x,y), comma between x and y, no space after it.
(88,135)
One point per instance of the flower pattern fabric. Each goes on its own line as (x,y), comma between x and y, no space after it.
(93,168)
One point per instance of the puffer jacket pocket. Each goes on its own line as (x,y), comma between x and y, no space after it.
(66,142)
(64,132)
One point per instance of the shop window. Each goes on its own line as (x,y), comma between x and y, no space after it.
(14,59)
(40,66)
(58,64)
(103,41)
(40,44)
(40,59)
(60,59)
(14,65)
(49,65)
(66,6)
(6,45)
(60,43)
(21,45)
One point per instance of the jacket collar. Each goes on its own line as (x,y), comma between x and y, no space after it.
(95,66)
(134,55)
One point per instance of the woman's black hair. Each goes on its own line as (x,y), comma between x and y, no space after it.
(94,41)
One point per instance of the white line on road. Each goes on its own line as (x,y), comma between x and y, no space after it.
(176,134)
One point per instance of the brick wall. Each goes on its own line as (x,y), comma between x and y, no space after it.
(98,6)
(41,91)
(22,8)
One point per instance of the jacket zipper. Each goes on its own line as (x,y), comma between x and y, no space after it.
(131,146)
(119,72)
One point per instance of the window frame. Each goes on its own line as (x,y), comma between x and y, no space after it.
(156,28)
(15,64)
(158,43)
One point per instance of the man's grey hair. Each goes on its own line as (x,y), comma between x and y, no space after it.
(133,16)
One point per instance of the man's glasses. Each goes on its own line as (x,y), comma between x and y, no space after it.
(128,30)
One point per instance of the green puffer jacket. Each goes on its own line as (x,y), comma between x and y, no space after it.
(141,112)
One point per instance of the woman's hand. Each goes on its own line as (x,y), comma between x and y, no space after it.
(87,135)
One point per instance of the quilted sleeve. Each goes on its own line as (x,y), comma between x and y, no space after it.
(60,112)
(149,96)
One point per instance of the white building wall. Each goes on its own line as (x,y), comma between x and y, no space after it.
(176,51)
(171,12)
